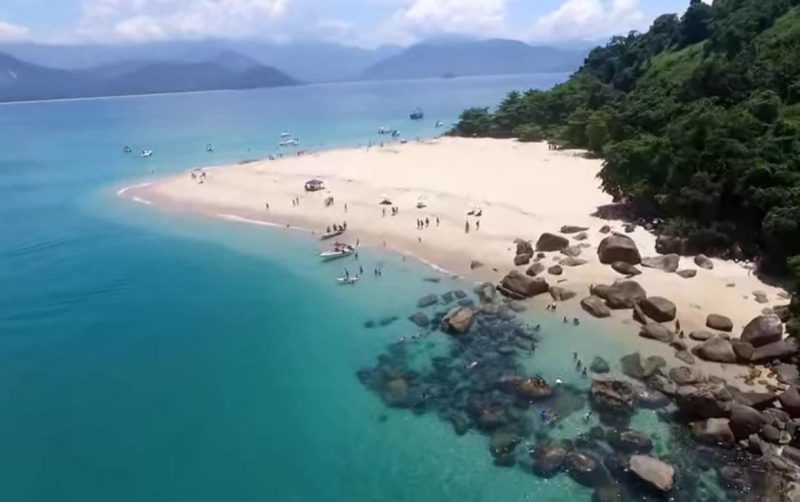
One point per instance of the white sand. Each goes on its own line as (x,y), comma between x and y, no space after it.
(523,189)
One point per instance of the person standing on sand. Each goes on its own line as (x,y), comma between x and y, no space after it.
(383,211)
(267,205)
(437,221)
(466,227)
(427,222)
(477,225)
(345,207)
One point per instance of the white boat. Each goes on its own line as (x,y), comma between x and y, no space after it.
(147,153)
(336,253)
(348,280)
(209,148)
(439,123)
(285,134)
(290,142)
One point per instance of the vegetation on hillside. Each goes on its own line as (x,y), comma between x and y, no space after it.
(698,120)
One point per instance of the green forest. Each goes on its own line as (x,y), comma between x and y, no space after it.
(697,120)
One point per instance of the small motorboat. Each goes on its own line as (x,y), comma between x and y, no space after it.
(289,142)
(127,149)
(331,234)
(348,279)
(417,114)
(147,153)
(439,123)
(285,134)
(209,148)
(383,130)
(338,251)
(395,133)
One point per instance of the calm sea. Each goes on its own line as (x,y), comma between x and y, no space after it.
(147,356)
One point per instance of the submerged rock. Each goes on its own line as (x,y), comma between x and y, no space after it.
(630,441)
(548,459)
(585,469)
(458,320)
(599,365)
(654,472)
(427,301)
(613,396)
(421,319)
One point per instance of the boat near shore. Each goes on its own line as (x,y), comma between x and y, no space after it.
(339,251)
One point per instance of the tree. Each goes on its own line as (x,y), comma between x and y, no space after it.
(695,24)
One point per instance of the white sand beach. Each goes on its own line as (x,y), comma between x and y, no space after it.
(523,190)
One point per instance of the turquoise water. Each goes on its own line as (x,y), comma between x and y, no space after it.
(162,357)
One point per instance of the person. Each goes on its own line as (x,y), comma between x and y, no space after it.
(419,239)
(477,225)
(346,274)
(583,373)
(383,211)
(537,327)
(576,322)
(345,207)
(543,415)
(559,381)
(437,221)
(587,416)
(574,356)
(677,325)
(427,222)
(566,320)
(360,270)
(356,255)
(466,226)
(267,205)
(328,229)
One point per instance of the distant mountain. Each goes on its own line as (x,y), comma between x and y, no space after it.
(474,57)
(21,81)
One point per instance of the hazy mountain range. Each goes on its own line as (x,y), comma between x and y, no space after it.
(38,71)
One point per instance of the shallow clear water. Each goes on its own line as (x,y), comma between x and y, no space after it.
(155,356)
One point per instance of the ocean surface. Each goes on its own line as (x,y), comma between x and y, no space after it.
(152,356)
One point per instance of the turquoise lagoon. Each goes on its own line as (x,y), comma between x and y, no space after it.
(149,356)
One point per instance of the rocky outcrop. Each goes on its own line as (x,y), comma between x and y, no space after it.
(716,349)
(595,306)
(653,472)
(658,308)
(762,330)
(667,263)
(719,322)
(782,351)
(704,262)
(657,332)
(560,294)
(613,396)
(625,268)
(618,247)
(624,294)
(551,242)
(714,431)
(458,320)
(519,286)
(704,400)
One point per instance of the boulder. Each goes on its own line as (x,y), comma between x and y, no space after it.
(585,469)
(714,431)
(485,292)
(581,236)
(624,294)
(502,444)
(551,242)
(396,392)
(657,332)
(790,401)
(655,473)
(474,264)
(783,312)
(458,320)
(687,273)
(745,421)
(572,251)
(571,261)
(523,247)
(605,229)
(630,441)
(716,349)
(522,259)
(629,227)
(743,351)
(719,322)
(641,369)
(667,263)
(535,269)
(420,319)
(529,389)
(652,399)
(683,375)
(762,330)
(782,350)
(555,270)
(701,336)
(519,286)
(760,297)
(572,229)
(600,290)
(560,294)
(658,308)
(595,306)
(625,268)
(599,365)
(684,356)
(427,301)
(608,493)
(618,247)
(548,460)
(704,400)
(613,396)
(704,262)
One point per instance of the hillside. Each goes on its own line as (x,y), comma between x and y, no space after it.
(698,121)
(473,57)
(21,81)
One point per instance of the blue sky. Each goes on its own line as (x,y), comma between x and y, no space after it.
(355,22)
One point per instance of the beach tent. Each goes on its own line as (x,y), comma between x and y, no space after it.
(314,185)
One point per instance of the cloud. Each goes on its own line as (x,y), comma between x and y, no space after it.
(13,32)
(423,18)
(589,19)
(143,20)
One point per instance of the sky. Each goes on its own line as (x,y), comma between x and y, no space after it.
(366,23)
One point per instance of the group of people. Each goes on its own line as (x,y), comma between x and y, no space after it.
(467,226)
(200,178)
(395,211)
(336,228)
(579,366)
(296,201)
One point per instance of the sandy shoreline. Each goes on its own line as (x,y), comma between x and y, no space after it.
(522,189)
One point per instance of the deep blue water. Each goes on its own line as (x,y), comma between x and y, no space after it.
(163,357)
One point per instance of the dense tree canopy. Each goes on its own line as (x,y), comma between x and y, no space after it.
(697,119)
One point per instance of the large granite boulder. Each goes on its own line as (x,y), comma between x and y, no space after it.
(624,294)
(595,306)
(684,375)
(653,472)
(704,400)
(548,459)
(667,263)
(762,330)
(716,349)
(613,396)
(625,268)
(458,320)
(782,350)
(657,332)
(618,247)
(519,286)
(658,308)
(743,351)
(630,441)
(719,322)
(551,242)
(790,401)
(745,421)
(524,247)
(704,262)
(560,294)
(714,431)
